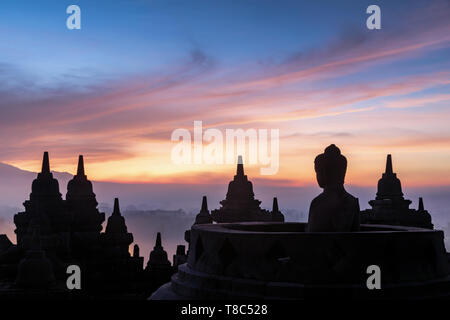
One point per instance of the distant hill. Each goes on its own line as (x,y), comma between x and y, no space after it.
(15,184)
(15,187)
(155,207)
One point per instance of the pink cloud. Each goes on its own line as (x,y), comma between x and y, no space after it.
(109,120)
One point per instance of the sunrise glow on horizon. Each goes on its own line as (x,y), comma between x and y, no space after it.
(115,92)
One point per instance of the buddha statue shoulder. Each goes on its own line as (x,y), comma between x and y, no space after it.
(334,210)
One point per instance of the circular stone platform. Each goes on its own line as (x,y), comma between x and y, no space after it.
(282,261)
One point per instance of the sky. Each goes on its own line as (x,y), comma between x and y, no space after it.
(137,70)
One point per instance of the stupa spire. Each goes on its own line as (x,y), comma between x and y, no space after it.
(276,213)
(116,210)
(203,216)
(158,243)
(421,206)
(204,205)
(80,169)
(389,186)
(240,167)
(275,205)
(35,270)
(45,163)
(389,164)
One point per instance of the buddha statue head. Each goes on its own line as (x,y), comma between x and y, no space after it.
(330,167)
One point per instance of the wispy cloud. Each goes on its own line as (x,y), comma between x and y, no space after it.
(325,89)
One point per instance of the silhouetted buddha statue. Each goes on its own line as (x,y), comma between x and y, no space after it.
(334,210)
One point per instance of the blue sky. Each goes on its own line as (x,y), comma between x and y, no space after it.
(137,70)
(123,37)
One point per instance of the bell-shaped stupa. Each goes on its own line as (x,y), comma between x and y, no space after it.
(391,208)
(82,204)
(240,204)
(203,216)
(116,236)
(389,186)
(158,256)
(46,209)
(45,185)
(276,213)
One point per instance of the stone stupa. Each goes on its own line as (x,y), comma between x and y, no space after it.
(82,203)
(391,208)
(203,216)
(46,210)
(240,204)
(116,237)
(158,256)
(286,261)
(158,270)
(277,216)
